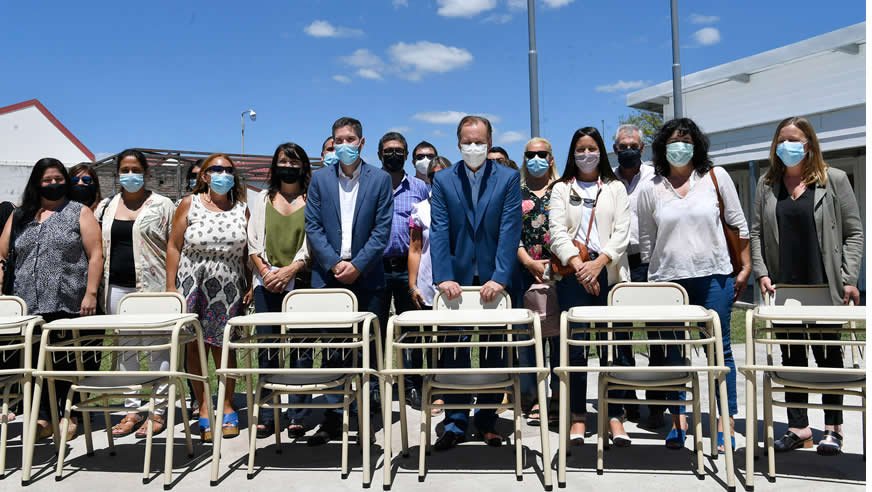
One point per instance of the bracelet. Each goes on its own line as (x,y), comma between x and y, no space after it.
(262,270)
(412,290)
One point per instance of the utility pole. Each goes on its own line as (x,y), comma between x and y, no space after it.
(534,69)
(677,105)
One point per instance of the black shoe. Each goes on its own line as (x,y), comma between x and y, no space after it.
(330,429)
(448,441)
(494,441)
(413,399)
(631,413)
(296,430)
(268,428)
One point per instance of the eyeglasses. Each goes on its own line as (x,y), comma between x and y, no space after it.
(533,153)
(418,157)
(394,152)
(502,160)
(628,146)
(220,169)
(84,179)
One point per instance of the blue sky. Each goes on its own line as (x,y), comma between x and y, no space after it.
(177,75)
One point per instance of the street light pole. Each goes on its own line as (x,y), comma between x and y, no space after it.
(534,69)
(253,117)
(677,104)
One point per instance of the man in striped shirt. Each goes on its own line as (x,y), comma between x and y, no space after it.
(408,190)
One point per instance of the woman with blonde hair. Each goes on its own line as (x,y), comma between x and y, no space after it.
(207,263)
(807,230)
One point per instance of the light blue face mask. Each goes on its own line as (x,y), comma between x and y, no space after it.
(790,153)
(222,183)
(132,182)
(192,183)
(330,158)
(537,166)
(679,153)
(347,153)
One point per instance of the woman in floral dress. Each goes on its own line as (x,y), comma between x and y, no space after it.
(206,263)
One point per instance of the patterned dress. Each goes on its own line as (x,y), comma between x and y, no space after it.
(535,236)
(211,273)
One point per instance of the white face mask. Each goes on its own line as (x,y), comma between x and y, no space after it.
(421,165)
(473,155)
(587,162)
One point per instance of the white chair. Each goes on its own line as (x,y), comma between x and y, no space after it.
(16,341)
(306,315)
(442,381)
(808,309)
(162,317)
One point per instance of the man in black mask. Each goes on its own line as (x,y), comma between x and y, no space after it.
(408,191)
(628,147)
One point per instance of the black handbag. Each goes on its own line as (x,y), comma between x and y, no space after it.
(9,265)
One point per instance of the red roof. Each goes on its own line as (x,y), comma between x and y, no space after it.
(42,109)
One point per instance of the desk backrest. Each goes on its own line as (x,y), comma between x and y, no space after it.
(151,303)
(321,300)
(12,306)
(647,294)
(470,300)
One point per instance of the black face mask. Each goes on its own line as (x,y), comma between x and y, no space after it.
(53,192)
(394,163)
(629,158)
(289,175)
(85,194)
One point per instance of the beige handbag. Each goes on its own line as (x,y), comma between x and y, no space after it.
(542,299)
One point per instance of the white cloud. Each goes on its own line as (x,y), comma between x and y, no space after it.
(439,133)
(425,56)
(401,3)
(342,79)
(511,137)
(448,117)
(703,19)
(324,29)
(707,36)
(517,4)
(499,18)
(369,73)
(464,8)
(621,85)
(399,129)
(556,4)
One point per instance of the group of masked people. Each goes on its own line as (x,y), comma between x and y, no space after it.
(547,240)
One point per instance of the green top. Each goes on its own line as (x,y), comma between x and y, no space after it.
(284,235)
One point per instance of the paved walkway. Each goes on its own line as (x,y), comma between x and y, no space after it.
(647,464)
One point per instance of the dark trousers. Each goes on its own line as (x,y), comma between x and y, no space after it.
(397,289)
(60,362)
(368,300)
(266,302)
(571,294)
(796,355)
(457,421)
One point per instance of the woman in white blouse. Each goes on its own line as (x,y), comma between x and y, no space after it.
(589,205)
(682,240)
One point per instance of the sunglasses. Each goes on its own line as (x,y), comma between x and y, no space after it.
(418,157)
(394,152)
(220,169)
(534,153)
(84,179)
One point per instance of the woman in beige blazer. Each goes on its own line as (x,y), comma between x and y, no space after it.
(589,205)
(807,230)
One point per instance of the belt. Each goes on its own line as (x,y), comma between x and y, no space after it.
(396,263)
(634,260)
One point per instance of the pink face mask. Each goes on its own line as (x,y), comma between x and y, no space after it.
(587,162)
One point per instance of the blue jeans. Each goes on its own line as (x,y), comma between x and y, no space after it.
(712,292)
(267,302)
(398,289)
(571,294)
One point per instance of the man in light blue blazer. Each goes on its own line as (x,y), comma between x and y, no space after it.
(474,234)
(349,209)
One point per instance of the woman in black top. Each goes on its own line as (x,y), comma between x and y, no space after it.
(807,230)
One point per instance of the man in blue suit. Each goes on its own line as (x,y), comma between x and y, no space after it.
(349,209)
(475,230)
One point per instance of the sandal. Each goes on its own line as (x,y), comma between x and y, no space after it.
(127,424)
(266,429)
(675,439)
(721,442)
(831,444)
(157,427)
(43,432)
(230,425)
(72,429)
(435,412)
(205,430)
(533,417)
(789,442)
(296,431)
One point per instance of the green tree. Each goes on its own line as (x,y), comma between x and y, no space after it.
(647,121)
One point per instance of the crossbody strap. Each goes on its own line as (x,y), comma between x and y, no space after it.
(718,192)
(592,215)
